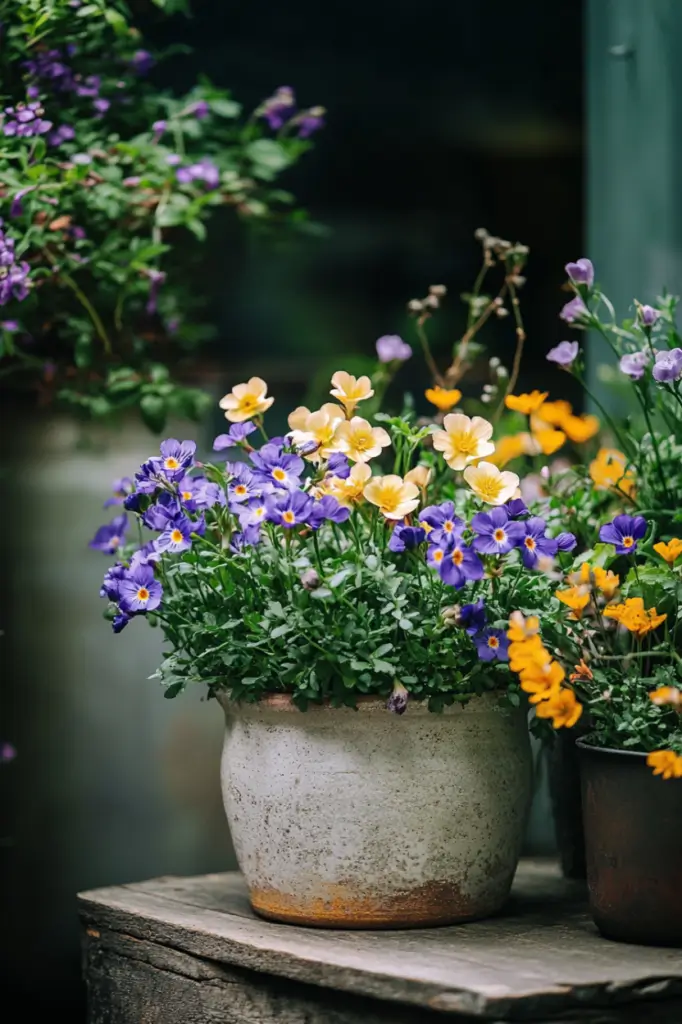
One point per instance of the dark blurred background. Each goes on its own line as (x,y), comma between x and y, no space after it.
(442,117)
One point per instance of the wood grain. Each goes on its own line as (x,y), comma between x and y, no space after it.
(542,960)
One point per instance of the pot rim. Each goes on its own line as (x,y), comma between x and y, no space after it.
(583,744)
(365,702)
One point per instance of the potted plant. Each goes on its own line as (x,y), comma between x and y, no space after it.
(107,185)
(351,621)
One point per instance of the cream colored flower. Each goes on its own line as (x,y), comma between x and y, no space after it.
(246,401)
(350,390)
(489,484)
(321,426)
(420,475)
(349,492)
(359,440)
(297,418)
(394,497)
(463,439)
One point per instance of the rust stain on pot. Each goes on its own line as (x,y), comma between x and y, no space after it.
(343,906)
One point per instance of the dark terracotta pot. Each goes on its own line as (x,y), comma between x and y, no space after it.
(633,840)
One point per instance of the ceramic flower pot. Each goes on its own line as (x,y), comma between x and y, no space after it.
(633,838)
(366,819)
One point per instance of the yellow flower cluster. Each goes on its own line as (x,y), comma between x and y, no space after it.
(634,616)
(539,674)
(667,695)
(669,551)
(609,470)
(443,398)
(584,582)
(551,423)
(666,763)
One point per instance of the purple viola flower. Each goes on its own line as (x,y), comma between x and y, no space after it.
(235,436)
(142,62)
(145,555)
(176,458)
(64,133)
(566,541)
(246,538)
(101,105)
(88,87)
(440,522)
(327,510)
(535,543)
(110,537)
(581,272)
(156,279)
(7,752)
(200,109)
(243,485)
(633,364)
(177,536)
(564,354)
(516,508)
(573,310)
(253,513)
(162,513)
(338,466)
(112,580)
(623,532)
(289,509)
(140,592)
(10,325)
(278,108)
(275,469)
(406,538)
(391,348)
(648,315)
(455,562)
(204,170)
(473,617)
(196,493)
(497,533)
(16,208)
(492,645)
(159,128)
(120,621)
(309,121)
(668,366)
(26,120)
(121,489)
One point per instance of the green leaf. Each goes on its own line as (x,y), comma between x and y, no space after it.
(268,156)
(173,689)
(153,412)
(226,108)
(85,12)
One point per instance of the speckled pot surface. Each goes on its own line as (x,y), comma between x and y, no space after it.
(366,819)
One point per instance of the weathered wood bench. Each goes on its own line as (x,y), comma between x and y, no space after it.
(191,951)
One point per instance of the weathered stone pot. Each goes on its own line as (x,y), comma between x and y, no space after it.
(366,819)
(633,840)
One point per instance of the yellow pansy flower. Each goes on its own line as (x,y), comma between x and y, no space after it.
(609,470)
(246,401)
(320,426)
(463,439)
(491,485)
(555,413)
(359,440)
(526,404)
(521,628)
(350,390)
(666,763)
(575,598)
(606,581)
(509,447)
(669,551)
(562,708)
(541,681)
(349,491)
(634,616)
(666,695)
(549,440)
(580,428)
(394,497)
(443,398)
(420,475)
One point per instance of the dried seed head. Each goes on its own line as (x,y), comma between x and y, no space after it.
(438,289)
(310,580)
(415,306)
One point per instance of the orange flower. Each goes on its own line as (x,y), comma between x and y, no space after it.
(542,682)
(526,404)
(555,413)
(666,763)
(443,398)
(669,551)
(549,440)
(609,470)
(667,695)
(521,628)
(580,428)
(509,447)
(582,673)
(528,653)
(606,581)
(563,708)
(634,616)
(575,598)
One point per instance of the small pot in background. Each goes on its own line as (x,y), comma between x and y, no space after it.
(633,839)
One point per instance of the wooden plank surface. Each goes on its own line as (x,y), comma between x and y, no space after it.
(541,960)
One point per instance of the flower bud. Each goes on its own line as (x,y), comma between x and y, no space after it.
(310,579)
(501,312)
(431,301)
(397,702)
(451,615)
(415,306)
(438,289)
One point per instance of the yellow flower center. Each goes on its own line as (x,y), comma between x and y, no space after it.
(499,535)
(426,527)
(457,556)
(466,443)
(493,642)
(438,555)
(279,474)
(288,516)
(530,543)
(448,526)
(240,489)
(171,463)
(143,594)
(628,542)
(177,537)
(114,542)
(260,511)
(186,495)
(488,488)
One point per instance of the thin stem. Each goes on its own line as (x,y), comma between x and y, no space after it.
(85,302)
(430,361)
(520,339)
